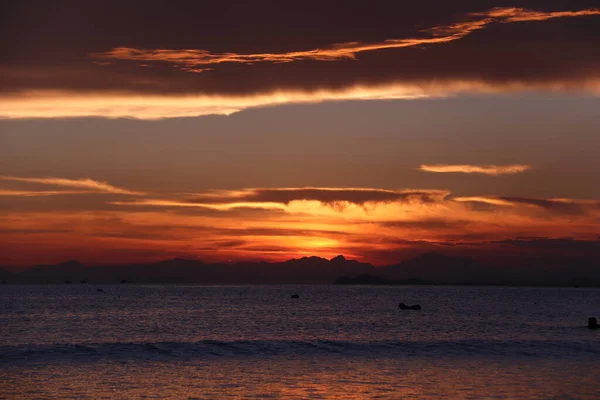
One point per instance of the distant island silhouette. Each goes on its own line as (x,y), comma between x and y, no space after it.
(427,269)
(379,280)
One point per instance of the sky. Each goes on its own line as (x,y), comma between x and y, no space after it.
(266,130)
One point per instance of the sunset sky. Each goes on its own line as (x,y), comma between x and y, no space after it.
(268,130)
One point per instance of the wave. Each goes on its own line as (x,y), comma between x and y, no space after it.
(156,351)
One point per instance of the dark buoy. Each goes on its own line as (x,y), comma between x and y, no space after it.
(593,323)
(403,306)
(295,296)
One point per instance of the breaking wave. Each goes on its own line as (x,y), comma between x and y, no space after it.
(169,351)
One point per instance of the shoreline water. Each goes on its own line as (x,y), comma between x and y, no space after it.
(333,342)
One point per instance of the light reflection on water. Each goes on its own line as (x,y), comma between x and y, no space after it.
(130,341)
(303,378)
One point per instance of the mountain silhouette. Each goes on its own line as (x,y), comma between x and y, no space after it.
(428,268)
(302,270)
(366,279)
(68,270)
(5,275)
(438,267)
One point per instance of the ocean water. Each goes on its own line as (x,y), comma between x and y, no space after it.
(334,342)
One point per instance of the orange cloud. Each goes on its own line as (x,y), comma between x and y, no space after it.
(327,195)
(189,59)
(281,223)
(483,199)
(90,184)
(60,104)
(33,193)
(65,104)
(220,207)
(355,202)
(476,169)
(560,206)
(513,14)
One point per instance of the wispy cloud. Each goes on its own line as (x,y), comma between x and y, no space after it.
(189,59)
(211,206)
(563,206)
(291,222)
(282,198)
(558,206)
(68,104)
(35,193)
(327,195)
(484,199)
(89,184)
(63,104)
(475,169)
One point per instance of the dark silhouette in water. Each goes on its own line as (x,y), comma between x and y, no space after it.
(403,306)
(99,290)
(295,296)
(593,323)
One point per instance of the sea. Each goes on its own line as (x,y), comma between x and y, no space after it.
(130,341)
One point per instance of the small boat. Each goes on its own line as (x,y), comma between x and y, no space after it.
(403,306)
